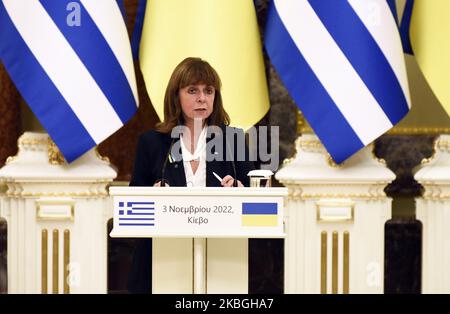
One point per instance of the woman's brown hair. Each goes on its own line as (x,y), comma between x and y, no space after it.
(191,71)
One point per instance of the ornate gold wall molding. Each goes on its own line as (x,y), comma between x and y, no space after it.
(440,144)
(18,190)
(304,128)
(443,144)
(103,158)
(313,146)
(436,192)
(62,194)
(418,131)
(361,196)
(33,143)
(377,194)
(55,156)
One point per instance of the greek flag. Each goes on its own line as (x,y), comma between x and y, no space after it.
(342,63)
(72,63)
(402,11)
(136,213)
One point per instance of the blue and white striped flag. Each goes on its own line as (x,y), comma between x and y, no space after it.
(72,63)
(402,10)
(342,63)
(137,214)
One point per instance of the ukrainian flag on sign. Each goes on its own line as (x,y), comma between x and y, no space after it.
(260,214)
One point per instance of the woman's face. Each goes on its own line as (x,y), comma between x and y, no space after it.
(196,102)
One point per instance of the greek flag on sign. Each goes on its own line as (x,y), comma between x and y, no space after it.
(72,63)
(136,213)
(342,63)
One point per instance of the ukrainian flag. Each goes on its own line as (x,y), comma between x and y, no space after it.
(260,214)
(224,33)
(430,40)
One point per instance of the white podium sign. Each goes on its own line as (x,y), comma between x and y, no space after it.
(198,212)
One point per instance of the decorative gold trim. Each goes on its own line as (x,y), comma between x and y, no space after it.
(364,196)
(78,194)
(66,261)
(436,198)
(300,121)
(425,161)
(335,204)
(418,131)
(103,158)
(332,163)
(287,161)
(10,159)
(86,181)
(433,192)
(334,274)
(310,144)
(32,142)
(54,154)
(303,127)
(443,144)
(378,183)
(346,263)
(55,261)
(316,144)
(306,129)
(323,262)
(380,160)
(41,217)
(44,261)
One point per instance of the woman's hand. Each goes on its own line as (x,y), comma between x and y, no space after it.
(158,183)
(228,181)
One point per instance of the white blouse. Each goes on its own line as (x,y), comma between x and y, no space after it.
(199,178)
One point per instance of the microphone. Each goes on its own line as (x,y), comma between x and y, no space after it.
(167,157)
(233,165)
(163,183)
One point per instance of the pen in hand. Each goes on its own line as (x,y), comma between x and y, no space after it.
(239,184)
(217,176)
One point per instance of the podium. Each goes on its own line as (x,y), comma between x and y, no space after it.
(227,217)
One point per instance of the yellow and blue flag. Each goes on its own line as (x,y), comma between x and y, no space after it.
(260,214)
(430,41)
(223,32)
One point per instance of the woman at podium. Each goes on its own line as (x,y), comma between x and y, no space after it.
(193,146)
